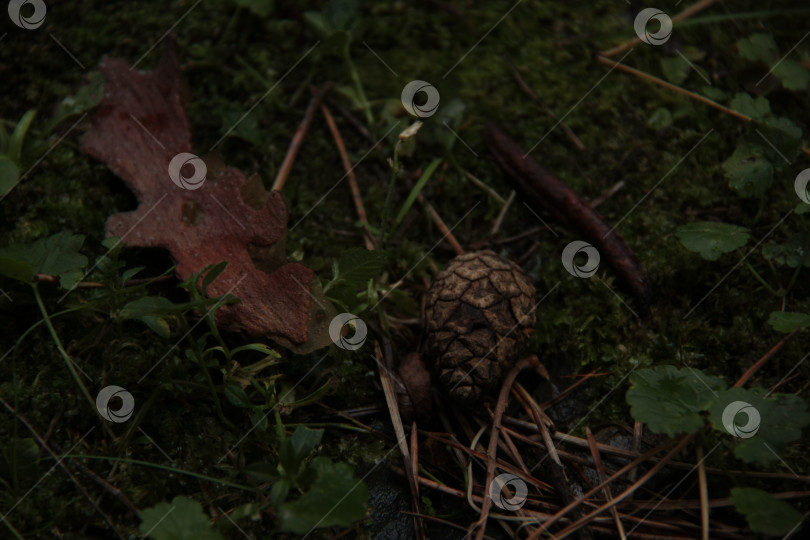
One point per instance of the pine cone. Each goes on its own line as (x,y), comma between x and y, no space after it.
(480,314)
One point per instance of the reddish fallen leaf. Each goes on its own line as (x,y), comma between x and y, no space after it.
(137,130)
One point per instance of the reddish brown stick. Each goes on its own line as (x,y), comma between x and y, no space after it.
(544,190)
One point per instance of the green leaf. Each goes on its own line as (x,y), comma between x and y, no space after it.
(755,108)
(152,311)
(158,325)
(262,472)
(358,265)
(417,189)
(86,99)
(790,253)
(9,175)
(660,119)
(15,142)
(183,519)
(788,321)
(781,419)
(675,69)
(341,13)
(247,128)
(318,22)
(297,447)
(57,255)
(758,48)
(783,134)
(211,273)
(712,239)
(669,400)
(764,513)
(749,172)
(714,94)
(15,268)
(237,396)
(335,498)
(793,75)
(279,492)
(148,305)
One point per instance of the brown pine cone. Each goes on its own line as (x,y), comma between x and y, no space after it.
(480,314)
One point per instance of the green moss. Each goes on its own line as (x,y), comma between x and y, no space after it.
(231,58)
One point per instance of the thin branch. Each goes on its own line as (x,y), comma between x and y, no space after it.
(347,166)
(686,13)
(298,138)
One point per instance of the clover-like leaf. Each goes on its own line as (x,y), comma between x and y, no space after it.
(755,108)
(336,497)
(675,69)
(669,400)
(793,75)
(758,48)
(183,519)
(791,252)
(765,513)
(749,171)
(712,239)
(781,418)
(57,255)
(357,265)
(661,118)
(788,321)
(783,139)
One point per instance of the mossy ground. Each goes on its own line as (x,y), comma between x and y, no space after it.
(231,57)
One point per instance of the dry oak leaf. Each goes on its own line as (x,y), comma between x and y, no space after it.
(137,129)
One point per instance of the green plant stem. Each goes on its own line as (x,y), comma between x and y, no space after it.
(164,468)
(798,270)
(212,388)
(61,349)
(358,85)
(396,167)
(14,531)
(761,280)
